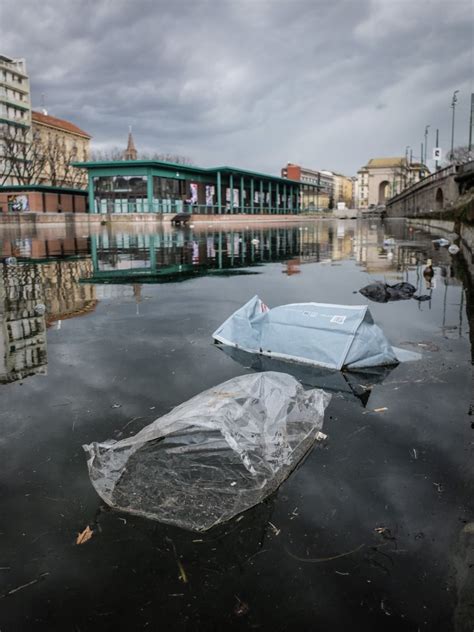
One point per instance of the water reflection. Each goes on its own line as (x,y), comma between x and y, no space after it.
(35,281)
(111,372)
(177,255)
(22,329)
(351,385)
(172,255)
(62,269)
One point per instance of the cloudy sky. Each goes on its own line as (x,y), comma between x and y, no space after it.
(251,83)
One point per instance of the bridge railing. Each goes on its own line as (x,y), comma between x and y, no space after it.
(466,168)
(441,174)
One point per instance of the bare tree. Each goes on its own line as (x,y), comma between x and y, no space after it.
(460,155)
(26,159)
(116,154)
(59,170)
(22,159)
(113,154)
(400,179)
(177,159)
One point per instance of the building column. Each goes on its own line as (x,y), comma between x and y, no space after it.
(149,190)
(261,196)
(285,203)
(231,193)
(277,201)
(269,197)
(252,196)
(95,266)
(90,187)
(152,250)
(219,252)
(219,193)
(241,196)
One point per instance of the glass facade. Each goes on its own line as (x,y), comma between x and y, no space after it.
(120,194)
(196,191)
(169,195)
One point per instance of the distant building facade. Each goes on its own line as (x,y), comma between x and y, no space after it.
(61,143)
(15,114)
(382,178)
(322,179)
(342,188)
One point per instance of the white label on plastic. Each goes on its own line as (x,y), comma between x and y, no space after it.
(339,320)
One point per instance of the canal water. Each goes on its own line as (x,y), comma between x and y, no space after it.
(374,529)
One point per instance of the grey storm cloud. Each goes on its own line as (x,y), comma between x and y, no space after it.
(250,83)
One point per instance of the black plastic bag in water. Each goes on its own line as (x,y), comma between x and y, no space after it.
(384,293)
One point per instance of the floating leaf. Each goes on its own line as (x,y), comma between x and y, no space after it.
(84,536)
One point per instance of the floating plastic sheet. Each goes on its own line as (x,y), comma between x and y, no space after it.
(214,456)
(321,334)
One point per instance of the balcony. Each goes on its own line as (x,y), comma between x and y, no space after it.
(15,103)
(12,67)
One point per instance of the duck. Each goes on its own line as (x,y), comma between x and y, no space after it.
(428,272)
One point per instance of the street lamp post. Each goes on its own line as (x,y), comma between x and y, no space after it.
(437,145)
(426,145)
(471,122)
(453,105)
(407,168)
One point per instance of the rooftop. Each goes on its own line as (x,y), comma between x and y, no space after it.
(380,163)
(52,121)
(179,167)
(6,188)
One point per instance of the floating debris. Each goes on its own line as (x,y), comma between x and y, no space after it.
(84,536)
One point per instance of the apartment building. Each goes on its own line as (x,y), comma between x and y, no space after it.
(311,199)
(15,114)
(61,142)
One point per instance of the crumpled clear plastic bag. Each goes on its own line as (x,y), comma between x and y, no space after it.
(214,456)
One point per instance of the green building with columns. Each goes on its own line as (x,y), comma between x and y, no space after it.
(151,186)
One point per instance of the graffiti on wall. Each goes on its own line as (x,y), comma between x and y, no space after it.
(18,203)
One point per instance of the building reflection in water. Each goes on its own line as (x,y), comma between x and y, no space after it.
(22,329)
(47,273)
(173,255)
